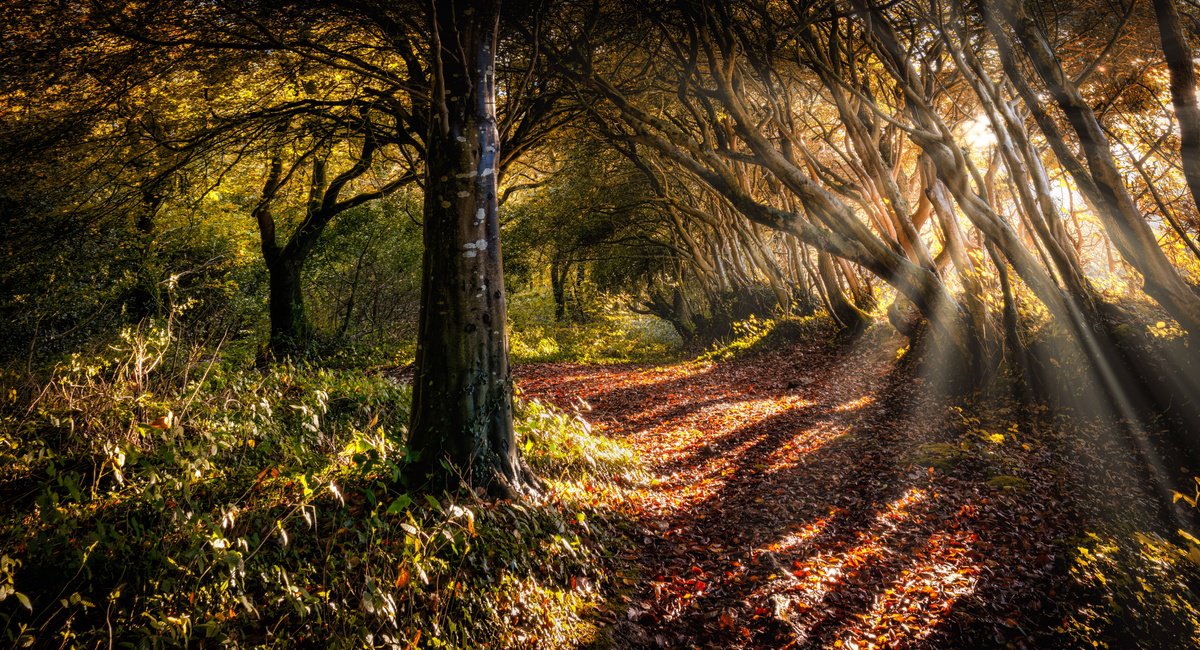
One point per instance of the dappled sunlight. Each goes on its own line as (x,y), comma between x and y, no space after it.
(919,598)
(796,450)
(802,536)
(812,578)
(729,416)
(855,404)
(749,324)
(701,426)
(856,591)
(938,572)
(1089,376)
(856,508)
(774,510)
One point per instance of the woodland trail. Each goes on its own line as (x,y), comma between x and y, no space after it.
(792,506)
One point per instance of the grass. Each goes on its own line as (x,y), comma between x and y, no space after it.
(164,496)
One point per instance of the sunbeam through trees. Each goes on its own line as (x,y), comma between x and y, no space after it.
(600,323)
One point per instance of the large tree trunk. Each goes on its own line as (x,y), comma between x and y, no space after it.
(1124,223)
(1180,62)
(462,414)
(290,330)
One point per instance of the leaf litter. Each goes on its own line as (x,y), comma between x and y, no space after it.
(795,504)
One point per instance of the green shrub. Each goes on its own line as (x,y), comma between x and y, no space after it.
(754,336)
(1145,587)
(559,445)
(162,496)
(612,335)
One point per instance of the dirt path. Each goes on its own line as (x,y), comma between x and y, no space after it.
(791,508)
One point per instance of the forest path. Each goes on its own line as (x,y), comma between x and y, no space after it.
(790,506)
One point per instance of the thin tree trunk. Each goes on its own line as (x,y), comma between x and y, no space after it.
(845,312)
(858,292)
(558,283)
(349,313)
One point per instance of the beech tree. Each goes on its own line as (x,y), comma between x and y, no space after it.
(723,93)
(785,153)
(327,105)
(1103,182)
(1182,65)
(462,413)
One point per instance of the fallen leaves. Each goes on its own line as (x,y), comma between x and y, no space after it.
(785,510)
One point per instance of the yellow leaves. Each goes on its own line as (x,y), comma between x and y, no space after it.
(1165,330)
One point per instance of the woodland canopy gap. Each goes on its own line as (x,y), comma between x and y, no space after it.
(753,323)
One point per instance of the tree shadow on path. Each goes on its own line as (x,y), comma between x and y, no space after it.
(791,508)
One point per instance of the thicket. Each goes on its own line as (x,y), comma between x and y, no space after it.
(165,493)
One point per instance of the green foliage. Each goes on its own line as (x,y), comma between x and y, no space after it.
(612,335)
(1145,587)
(562,445)
(593,218)
(363,282)
(60,295)
(754,335)
(73,281)
(166,494)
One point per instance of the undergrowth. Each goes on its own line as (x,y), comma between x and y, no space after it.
(164,495)
(755,335)
(612,334)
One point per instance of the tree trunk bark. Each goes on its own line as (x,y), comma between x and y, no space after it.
(1181,64)
(285,305)
(846,313)
(285,299)
(558,287)
(1126,226)
(462,414)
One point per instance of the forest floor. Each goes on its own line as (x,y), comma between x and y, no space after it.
(822,496)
